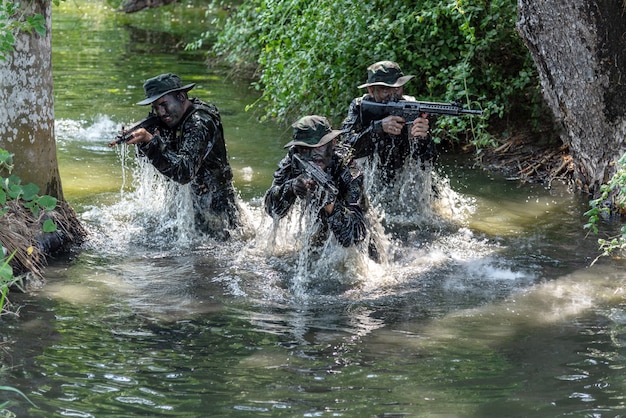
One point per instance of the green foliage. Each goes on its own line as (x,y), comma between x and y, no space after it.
(11,189)
(309,57)
(6,277)
(612,198)
(13,21)
(10,389)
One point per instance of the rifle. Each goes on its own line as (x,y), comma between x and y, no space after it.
(317,174)
(150,123)
(410,110)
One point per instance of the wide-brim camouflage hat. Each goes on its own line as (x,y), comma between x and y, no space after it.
(159,86)
(312,131)
(385,73)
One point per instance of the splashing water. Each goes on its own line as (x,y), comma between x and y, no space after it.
(153,211)
(418,198)
(157,213)
(417,225)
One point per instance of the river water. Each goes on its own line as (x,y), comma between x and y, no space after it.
(486,306)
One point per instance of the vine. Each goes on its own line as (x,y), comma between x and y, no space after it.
(13,20)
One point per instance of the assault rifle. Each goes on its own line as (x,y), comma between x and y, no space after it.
(150,123)
(317,174)
(410,110)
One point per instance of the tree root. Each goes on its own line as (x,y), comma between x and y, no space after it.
(22,233)
(518,158)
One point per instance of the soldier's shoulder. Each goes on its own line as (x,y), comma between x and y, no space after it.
(204,107)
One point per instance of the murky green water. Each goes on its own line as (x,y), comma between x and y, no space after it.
(493,314)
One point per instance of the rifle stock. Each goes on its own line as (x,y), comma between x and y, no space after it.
(410,110)
(150,123)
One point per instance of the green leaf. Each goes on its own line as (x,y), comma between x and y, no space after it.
(47,202)
(49,226)
(29,191)
(8,388)
(38,23)
(15,191)
(6,273)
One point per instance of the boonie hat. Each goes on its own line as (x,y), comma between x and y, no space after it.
(385,73)
(159,86)
(312,131)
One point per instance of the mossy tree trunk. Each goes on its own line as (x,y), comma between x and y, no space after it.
(26,93)
(578,47)
(27,131)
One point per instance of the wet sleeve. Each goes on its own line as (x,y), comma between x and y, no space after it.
(280,196)
(362,139)
(198,138)
(347,220)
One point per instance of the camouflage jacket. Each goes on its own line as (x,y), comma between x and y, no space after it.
(392,150)
(194,151)
(347,221)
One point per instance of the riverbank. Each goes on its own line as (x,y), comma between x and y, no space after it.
(522,158)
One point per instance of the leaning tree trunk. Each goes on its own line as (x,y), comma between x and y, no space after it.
(27,127)
(578,47)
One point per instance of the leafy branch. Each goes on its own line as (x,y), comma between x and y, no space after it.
(612,199)
(13,20)
(459,50)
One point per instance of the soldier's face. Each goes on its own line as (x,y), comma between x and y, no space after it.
(384,94)
(170,108)
(319,156)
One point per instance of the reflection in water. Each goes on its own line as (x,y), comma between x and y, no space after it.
(484,306)
(154,319)
(160,313)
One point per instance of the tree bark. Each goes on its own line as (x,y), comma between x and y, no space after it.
(27,131)
(578,47)
(27,113)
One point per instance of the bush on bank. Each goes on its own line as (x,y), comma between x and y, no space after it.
(308,57)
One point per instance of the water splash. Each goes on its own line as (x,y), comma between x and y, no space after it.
(418,198)
(418,225)
(153,211)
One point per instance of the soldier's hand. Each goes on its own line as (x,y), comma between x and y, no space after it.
(393,125)
(300,186)
(140,135)
(420,127)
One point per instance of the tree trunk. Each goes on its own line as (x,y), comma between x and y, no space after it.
(27,114)
(27,131)
(578,47)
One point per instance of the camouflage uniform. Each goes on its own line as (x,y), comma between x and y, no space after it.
(195,152)
(347,221)
(392,150)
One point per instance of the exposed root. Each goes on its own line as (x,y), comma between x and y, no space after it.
(21,232)
(521,159)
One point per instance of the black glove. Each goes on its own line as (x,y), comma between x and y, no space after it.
(299,186)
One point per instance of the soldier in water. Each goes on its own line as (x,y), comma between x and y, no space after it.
(188,147)
(339,203)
